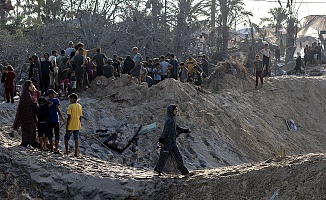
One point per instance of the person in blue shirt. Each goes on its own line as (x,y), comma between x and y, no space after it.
(54,124)
(157,73)
(135,72)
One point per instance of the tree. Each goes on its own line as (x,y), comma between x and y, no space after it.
(279,16)
(277,19)
(230,11)
(5,8)
(291,30)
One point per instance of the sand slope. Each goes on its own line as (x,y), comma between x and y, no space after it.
(231,123)
(31,174)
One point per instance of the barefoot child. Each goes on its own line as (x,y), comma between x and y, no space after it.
(73,122)
(43,113)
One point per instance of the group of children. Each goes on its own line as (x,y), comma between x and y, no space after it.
(48,113)
(7,82)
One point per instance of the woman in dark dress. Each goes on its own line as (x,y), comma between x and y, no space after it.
(298,64)
(168,143)
(128,65)
(25,117)
(35,71)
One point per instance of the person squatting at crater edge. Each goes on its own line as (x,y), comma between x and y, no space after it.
(168,143)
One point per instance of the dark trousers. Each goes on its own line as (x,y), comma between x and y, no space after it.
(9,94)
(54,126)
(266,65)
(296,70)
(259,74)
(99,71)
(177,157)
(156,82)
(45,81)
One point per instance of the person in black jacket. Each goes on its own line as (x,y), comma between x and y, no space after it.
(298,64)
(128,65)
(46,67)
(168,143)
(3,80)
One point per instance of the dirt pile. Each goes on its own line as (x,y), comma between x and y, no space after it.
(32,174)
(229,74)
(231,123)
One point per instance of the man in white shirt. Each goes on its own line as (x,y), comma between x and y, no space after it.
(267,55)
(70,48)
(165,67)
(54,79)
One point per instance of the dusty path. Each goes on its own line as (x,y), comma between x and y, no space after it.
(35,174)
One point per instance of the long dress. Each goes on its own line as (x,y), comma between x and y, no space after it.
(37,72)
(36,78)
(25,117)
(128,65)
(170,148)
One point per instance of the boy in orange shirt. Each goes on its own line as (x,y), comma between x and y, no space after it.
(73,122)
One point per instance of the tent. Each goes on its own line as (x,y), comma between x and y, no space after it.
(245,31)
(317,22)
(302,41)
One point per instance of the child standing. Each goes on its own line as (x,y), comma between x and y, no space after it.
(54,123)
(73,122)
(9,84)
(89,70)
(183,73)
(35,94)
(73,81)
(42,113)
(258,70)
(196,76)
(157,73)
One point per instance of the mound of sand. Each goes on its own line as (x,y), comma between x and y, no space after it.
(231,123)
(229,74)
(32,174)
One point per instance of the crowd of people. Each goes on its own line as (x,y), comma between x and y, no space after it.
(312,54)
(54,77)
(39,114)
(262,62)
(74,69)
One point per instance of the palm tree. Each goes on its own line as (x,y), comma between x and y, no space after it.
(279,16)
(277,19)
(231,11)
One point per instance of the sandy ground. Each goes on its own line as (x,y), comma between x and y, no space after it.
(232,123)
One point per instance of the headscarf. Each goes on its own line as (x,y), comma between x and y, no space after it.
(169,112)
(37,65)
(36,60)
(26,87)
(25,108)
(169,133)
(128,65)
